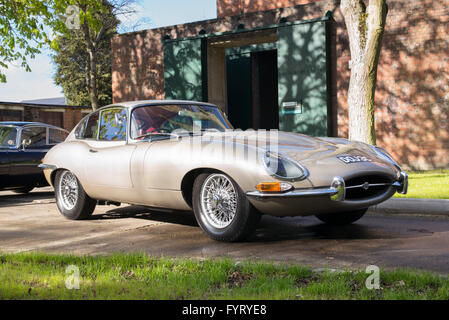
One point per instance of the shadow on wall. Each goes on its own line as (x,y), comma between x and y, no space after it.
(302,77)
(412,95)
(182,63)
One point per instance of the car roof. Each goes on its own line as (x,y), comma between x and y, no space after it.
(132,104)
(27,123)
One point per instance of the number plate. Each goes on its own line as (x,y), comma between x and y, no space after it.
(353,159)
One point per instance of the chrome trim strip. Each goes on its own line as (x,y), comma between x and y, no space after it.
(370,185)
(336,192)
(294,193)
(47,166)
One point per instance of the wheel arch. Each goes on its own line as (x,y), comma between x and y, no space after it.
(189,179)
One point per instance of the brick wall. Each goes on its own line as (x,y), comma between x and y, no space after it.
(412,97)
(227,8)
(137,58)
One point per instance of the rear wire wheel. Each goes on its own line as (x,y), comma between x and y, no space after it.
(71,199)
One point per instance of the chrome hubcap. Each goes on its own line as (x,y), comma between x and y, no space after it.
(68,190)
(218,201)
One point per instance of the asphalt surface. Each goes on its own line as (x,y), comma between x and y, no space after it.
(32,222)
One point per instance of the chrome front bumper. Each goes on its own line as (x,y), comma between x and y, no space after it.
(336,191)
(47,166)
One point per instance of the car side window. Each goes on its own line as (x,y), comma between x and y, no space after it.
(90,131)
(113,125)
(36,137)
(56,136)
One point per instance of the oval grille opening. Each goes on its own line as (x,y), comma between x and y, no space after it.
(365,187)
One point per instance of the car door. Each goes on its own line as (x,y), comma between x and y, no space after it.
(8,138)
(107,165)
(25,159)
(4,167)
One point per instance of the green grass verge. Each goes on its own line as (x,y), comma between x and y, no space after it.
(428,184)
(138,276)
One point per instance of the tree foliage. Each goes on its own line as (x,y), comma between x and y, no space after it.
(73,66)
(97,21)
(22,35)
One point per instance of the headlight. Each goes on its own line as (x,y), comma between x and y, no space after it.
(382,153)
(283,167)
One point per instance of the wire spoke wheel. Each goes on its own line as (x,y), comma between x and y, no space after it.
(68,190)
(218,200)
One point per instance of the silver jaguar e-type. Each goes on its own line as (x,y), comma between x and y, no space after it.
(184,155)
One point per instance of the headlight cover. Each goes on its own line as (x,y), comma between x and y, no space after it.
(282,167)
(382,153)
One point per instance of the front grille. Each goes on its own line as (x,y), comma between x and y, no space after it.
(365,187)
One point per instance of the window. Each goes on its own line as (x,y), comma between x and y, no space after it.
(37,136)
(168,118)
(56,136)
(113,125)
(8,137)
(90,131)
(11,115)
(79,131)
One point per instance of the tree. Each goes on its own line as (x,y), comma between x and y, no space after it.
(365,27)
(73,66)
(22,32)
(96,19)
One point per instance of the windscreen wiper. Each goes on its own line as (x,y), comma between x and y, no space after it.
(163,134)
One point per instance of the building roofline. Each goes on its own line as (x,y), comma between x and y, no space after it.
(41,105)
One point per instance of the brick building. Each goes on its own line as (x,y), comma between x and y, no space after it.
(285,64)
(44,110)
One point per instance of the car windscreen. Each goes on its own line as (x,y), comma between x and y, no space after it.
(8,136)
(170,118)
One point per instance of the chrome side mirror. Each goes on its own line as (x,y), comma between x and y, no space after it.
(25,143)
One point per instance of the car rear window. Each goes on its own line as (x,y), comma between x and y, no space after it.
(56,136)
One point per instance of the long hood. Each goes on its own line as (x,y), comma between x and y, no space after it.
(297,146)
(321,156)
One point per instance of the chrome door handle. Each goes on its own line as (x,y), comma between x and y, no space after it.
(93,150)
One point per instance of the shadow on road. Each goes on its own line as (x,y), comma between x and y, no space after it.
(185,218)
(11,199)
(270,229)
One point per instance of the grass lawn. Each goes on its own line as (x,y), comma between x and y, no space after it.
(138,276)
(428,184)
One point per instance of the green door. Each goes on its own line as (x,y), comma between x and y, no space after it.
(238,77)
(302,78)
(183,69)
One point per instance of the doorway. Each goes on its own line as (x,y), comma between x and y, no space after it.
(252,91)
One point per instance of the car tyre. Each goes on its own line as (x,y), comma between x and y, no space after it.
(71,199)
(222,209)
(342,218)
(23,190)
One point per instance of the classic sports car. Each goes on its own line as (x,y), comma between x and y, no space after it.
(184,155)
(23,145)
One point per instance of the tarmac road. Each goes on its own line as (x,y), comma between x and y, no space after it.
(32,222)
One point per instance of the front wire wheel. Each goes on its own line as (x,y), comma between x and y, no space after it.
(222,209)
(218,200)
(71,199)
